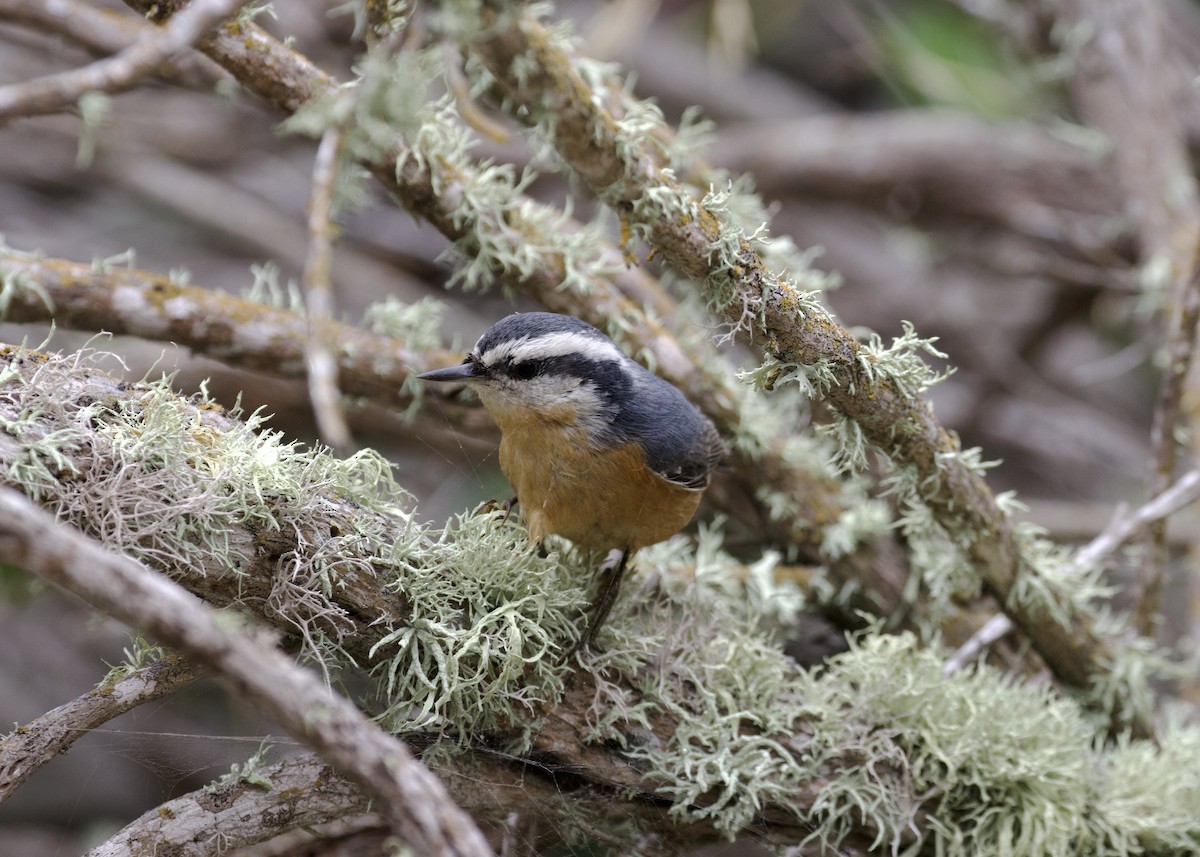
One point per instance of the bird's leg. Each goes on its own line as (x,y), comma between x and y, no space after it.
(610,587)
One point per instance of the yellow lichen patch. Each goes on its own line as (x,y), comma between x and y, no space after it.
(17,354)
(627,239)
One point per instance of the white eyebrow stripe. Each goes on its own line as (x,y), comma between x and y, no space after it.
(555,344)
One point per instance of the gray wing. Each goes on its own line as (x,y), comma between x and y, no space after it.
(681,444)
(694,468)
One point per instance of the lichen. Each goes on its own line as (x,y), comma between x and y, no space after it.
(138,654)
(189,489)
(491,621)
(878,740)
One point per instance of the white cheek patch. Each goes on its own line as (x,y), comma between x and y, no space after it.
(553,345)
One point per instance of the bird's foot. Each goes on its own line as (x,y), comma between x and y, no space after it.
(489,506)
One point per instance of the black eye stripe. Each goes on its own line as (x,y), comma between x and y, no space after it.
(525,370)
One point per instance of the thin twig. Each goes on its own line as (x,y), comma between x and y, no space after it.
(107,31)
(1146,590)
(318,297)
(1120,530)
(991,631)
(57,92)
(26,749)
(1167,503)
(412,799)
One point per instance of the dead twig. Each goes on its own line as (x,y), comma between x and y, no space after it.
(60,91)
(318,297)
(1121,529)
(304,792)
(104,32)
(26,749)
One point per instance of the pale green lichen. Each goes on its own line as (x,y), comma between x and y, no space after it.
(251,772)
(102,265)
(140,653)
(861,520)
(503,233)
(851,449)
(267,290)
(1146,802)
(739,204)
(491,621)
(880,741)
(997,767)
(418,325)
(901,362)
(738,249)
(252,11)
(1049,586)
(183,486)
(95,109)
(390,17)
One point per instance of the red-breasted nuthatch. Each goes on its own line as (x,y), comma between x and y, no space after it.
(599,450)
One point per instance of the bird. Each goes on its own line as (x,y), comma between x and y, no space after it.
(599,450)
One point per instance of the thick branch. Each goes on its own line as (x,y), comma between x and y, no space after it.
(412,798)
(304,791)
(223,326)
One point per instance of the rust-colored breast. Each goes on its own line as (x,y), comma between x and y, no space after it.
(599,499)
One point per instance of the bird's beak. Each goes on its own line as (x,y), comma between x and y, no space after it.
(465,371)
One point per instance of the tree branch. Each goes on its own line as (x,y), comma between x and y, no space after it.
(28,748)
(57,92)
(237,331)
(318,297)
(1120,530)
(411,798)
(698,242)
(104,32)
(304,791)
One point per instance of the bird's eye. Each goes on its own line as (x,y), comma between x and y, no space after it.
(524,371)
